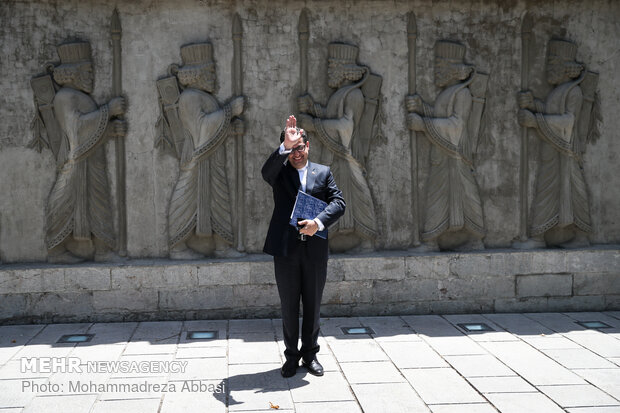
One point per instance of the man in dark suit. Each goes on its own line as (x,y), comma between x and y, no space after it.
(300,265)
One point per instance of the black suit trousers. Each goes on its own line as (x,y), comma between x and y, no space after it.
(301,275)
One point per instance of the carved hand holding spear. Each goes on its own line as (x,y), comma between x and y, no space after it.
(526,34)
(237,90)
(412,33)
(117,90)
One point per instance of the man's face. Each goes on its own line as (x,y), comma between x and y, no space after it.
(85,80)
(299,157)
(443,73)
(555,70)
(335,74)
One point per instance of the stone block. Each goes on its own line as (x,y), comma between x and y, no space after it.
(373,268)
(335,268)
(407,290)
(435,266)
(197,299)
(544,285)
(596,284)
(593,261)
(224,273)
(583,303)
(262,273)
(461,306)
(453,288)
(509,263)
(61,304)
(37,280)
(88,278)
(520,305)
(612,302)
(12,306)
(120,301)
(348,292)
(156,276)
(254,295)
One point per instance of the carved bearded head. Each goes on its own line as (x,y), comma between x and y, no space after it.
(449,65)
(198,70)
(76,68)
(342,65)
(561,65)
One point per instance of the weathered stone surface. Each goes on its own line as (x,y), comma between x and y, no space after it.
(373,268)
(254,296)
(595,284)
(32,280)
(348,292)
(200,298)
(138,277)
(89,278)
(548,285)
(224,274)
(122,301)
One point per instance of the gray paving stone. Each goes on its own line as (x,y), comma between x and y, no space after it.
(483,365)
(6,353)
(440,386)
(600,343)
(578,396)
(498,335)
(463,408)
(52,332)
(607,380)
(251,326)
(551,342)
(145,360)
(253,352)
(371,372)
(133,406)
(207,369)
(412,355)
(332,326)
(392,397)
(110,333)
(357,350)
(16,394)
(17,335)
(389,329)
(221,326)
(254,386)
(162,332)
(340,407)
(99,352)
(182,402)
(443,336)
(61,404)
(523,402)
(332,386)
(200,352)
(532,365)
(519,324)
(513,384)
(578,359)
(13,370)
(606,409)
(146,347)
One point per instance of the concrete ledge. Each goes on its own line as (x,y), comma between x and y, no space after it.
(390,282)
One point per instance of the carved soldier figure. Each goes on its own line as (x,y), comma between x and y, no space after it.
(79,214)
(199,217)
(560,211)
(453,218)
(345,127)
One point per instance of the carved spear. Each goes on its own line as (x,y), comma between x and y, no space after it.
(412,33)
(237,89)
(526,34)
(304,33)
(117,90)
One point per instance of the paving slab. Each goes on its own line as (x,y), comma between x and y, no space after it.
(607,380)
(339,407)
(347,350)
(578,396)
(463,408)
(440,386)
(389,329)
(523,402)
(61,404)
(498,333)
(133,406)
(392,397)
(412,355)
(579,359)
(332,386)
(17,393)
(254,386)
(513,384)
(371,372)
(479,366)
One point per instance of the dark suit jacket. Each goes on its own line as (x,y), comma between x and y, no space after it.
(284,180)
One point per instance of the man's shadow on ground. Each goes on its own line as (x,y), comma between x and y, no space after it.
(244,388)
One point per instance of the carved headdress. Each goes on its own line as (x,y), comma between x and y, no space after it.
(71,53)
(451,51)
(342,52)
(563,49)
(197,53)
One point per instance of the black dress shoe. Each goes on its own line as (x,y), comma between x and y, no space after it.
(314,367)
(289,368)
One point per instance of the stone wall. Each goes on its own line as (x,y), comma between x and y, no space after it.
(390,283)
(153,32)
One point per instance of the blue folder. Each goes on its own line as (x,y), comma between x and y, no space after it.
(308,207)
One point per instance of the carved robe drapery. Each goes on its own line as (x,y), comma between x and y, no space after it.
(337,129)
(561,195)
(201,200)
(79,203)
(452,198)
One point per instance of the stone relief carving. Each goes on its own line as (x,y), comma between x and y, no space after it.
(346,126)
(453,217)
(565,122)
(194,125)
(68,121)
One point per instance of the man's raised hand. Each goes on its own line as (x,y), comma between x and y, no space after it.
(292,136)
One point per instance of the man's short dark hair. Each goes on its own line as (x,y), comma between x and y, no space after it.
(304,135)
